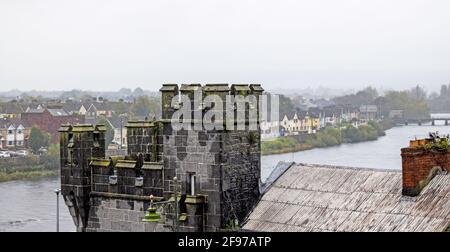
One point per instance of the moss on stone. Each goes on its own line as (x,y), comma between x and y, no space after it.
(100,162)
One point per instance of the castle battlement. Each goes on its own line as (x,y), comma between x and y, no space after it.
(217,170)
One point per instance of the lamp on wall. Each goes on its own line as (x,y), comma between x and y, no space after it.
(153,216)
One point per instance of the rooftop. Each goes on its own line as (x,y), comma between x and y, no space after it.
(328,198)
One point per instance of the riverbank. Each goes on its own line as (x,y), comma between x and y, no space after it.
(30,167)
(327,137)
(27,175)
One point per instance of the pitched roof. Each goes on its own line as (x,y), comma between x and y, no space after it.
(102,106)
(326,198)
(72,107)
(117,122)
(35,110)
(10,108)
(15,122)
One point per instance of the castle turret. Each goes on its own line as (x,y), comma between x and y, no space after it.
(206,179)
(168,92)
(78,144)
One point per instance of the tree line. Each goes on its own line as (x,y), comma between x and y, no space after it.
(415,102)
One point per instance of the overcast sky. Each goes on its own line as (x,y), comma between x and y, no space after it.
(106,45)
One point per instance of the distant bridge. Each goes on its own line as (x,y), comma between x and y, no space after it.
(428,120)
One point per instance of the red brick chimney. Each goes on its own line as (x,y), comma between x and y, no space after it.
(421,162)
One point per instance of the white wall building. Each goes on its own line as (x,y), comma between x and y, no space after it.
(270,130)
(11,136)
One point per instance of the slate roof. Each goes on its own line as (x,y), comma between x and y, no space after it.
(72,107)
(117,123)
(5,123)
(11,108)
(327,198)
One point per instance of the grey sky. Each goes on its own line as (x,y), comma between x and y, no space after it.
(106,45)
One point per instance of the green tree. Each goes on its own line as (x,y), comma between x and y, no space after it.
(138,92)
(38,139)
(444,91)
(418,93)
(286,106)
(363,97)
(145,106)
(50,160)
(441,102)
(120,107)
(412,103)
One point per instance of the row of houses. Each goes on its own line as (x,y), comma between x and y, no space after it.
(15,131)
(15,128)
(90,109)
(17,118)
(314,119)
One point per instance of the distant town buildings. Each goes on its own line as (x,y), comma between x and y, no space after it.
(118,124)
(396,114)
(13,134)
(310,116)
(270,130)
(368,112)
(316,118)
(50,119)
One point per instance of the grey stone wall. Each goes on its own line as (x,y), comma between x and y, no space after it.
(196,152)
(127,173)
(226,165)
(227,168)
(241,175)
(78,144)
(120,215)
(142,138)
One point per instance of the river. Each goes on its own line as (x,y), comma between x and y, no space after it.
(383,153)
(31,205)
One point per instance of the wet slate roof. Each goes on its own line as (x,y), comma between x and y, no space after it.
(327,198)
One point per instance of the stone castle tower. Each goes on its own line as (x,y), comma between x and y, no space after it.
(217,171)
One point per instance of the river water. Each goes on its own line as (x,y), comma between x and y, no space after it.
(31,205)
(383,153)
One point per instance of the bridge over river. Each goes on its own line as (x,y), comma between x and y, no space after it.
(445,118)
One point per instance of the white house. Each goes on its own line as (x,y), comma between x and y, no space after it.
(287,124)
(120,131)
(82,110)
(20,136)
(270,130)
(350,114)
(368,112)
(11,136)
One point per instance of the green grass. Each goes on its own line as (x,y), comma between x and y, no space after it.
(30,167)
(25,175)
